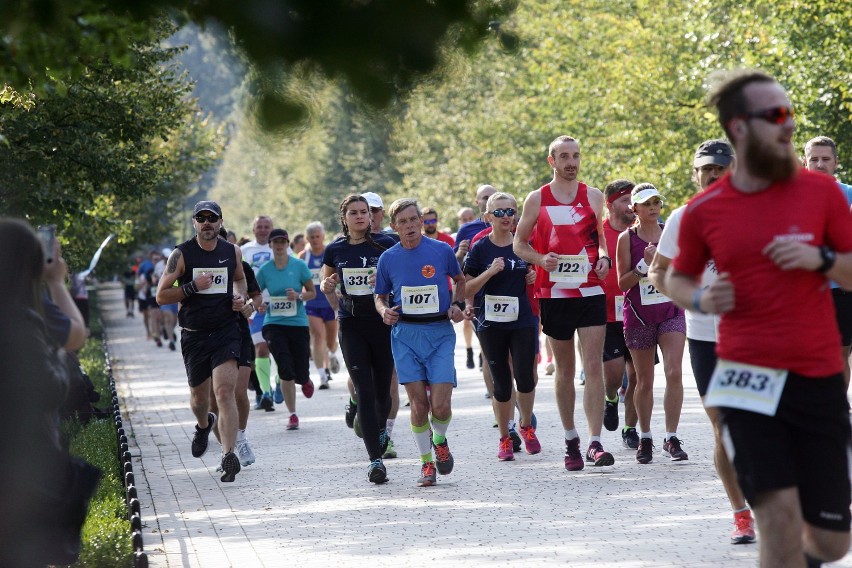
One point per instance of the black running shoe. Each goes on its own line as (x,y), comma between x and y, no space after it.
(443,458)
(645,453)
(516,440)
(611,415)
(351,411)
(469,362)
(630,438)
(199,439)
(377,473)
(230,467)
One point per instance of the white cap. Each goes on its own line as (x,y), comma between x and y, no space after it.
(373,200)
(646,192)
(166,252)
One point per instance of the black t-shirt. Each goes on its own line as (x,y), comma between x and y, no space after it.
(352,262)
(212,308)
(251,288)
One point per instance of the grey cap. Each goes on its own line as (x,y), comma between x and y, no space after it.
(717,152)
(211,206)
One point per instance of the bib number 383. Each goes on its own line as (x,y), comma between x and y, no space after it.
(747,387)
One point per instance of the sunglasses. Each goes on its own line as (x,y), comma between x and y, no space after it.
(211,218)
(777,115)
(508,212)
(430,221)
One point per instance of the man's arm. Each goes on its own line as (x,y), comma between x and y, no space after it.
(166,292)
(389,315)
(521,245)
(456,313)
(685,291)
(657,272)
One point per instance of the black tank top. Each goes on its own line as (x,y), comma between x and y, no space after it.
(209,309)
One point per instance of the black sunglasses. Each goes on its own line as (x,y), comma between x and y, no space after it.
(211,218)
(508,212)
(777,115)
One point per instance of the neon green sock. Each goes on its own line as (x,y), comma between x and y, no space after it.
(613,399)
(439,429)
(261,367)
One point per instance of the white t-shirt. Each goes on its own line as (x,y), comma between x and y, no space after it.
(698,326)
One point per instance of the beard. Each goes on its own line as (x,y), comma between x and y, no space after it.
(762,162)
(431,229)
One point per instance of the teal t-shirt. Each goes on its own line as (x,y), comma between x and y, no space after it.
(280,310)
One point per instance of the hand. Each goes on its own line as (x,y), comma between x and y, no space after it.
(292,295)
(530,277)
(204,281)
(650,251)
(463,247)
(455,314)
(550,261)
(247,310)
(469,312)
(238,303)
(57,270)
(602,268)
(261,309)
(391,315)
(329,285)
(497,265)
(718,298)
(790,255)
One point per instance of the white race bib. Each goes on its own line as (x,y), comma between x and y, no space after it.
(648,293)
(571,269)
(747,387)
(501,308)
(357,281)
(419,299)
(315,276)
(619,307)
(220,279)
(280,306)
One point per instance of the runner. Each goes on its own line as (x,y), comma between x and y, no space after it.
(350,261)
(431,229)
(285,327)
(779,380)
(422,337)
(560,232)
(650,320)
(211,289)
(506,326)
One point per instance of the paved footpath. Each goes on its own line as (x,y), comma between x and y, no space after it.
(307,501)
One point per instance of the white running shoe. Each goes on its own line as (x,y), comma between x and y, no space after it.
(244,452)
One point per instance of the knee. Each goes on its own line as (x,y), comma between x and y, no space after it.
(830,549)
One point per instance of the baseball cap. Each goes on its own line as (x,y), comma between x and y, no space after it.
(716,152)
(373,200)
(278,234)
(643,192)
(211,206)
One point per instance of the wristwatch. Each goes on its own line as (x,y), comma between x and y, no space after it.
(829,257)
(459,305)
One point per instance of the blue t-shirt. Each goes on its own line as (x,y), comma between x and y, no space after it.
(510,283)
(847,192)
(468,231)
(418,277)
(281,311)
(354,264)
(314,263)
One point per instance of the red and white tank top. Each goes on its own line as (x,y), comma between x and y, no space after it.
(571,231)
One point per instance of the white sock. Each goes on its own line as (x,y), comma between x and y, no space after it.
(389,426)
(241,435)
(571,434)
(594,439)
(645,435)
(320,372)
(670,435)
(512,424)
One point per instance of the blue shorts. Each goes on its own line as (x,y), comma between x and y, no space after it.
(325,313)
(424,352)
(169,308)
(256,328)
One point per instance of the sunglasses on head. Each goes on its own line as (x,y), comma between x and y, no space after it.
(777,115)
(508,212)
(430,221)
(211,218)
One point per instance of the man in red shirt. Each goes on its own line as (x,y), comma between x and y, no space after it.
(779,379)
(430,227)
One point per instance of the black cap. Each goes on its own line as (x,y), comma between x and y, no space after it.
(278,234)
(211,206)
(716,152)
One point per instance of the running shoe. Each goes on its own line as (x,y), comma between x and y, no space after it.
(383,440)
(376,472)
(550,368)
(469,362)
(505,451)
(244,452)
(443,458)
(630,438)
(158,342)
(516,440)
(293,423)
(645,453)
(611,414)
(671,448)
(219,466)
(743,528)
(357,427)
(427,475)
(266,402)
(596,455)
(573,457)
(324,380)
(230,467)
(172,345)
(333,363)
(257,398)
(351,410)
(582,376)
(201,436)
(531,443)
(308,389)
(279,394)
(390,452)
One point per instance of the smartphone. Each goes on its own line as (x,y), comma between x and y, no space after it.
(47,235)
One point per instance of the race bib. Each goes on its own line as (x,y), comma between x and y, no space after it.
(747,387)
(571,269)
(315,276)
(357,281)
(648,293)
(220,279)
(419,299)
(619,308)
(280,306)
(501,308)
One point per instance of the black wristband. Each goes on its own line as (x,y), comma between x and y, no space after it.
(459,305)
(608,259)
(829,257)
(189,289)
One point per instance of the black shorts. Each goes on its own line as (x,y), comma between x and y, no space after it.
(777,452)
(702,357)
(561,317)
(843,311)
(246,347)
(129,292)
(291,347)
(614,347)
(203,351)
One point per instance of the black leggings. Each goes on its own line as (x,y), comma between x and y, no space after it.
(497,344)
(365,343)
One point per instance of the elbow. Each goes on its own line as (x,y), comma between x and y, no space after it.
(76,337)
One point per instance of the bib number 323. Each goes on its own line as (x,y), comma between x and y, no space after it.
(746,387)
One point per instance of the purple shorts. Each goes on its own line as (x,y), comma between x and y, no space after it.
(325,313)
(646,336)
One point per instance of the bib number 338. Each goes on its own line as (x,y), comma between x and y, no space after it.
(746,387)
